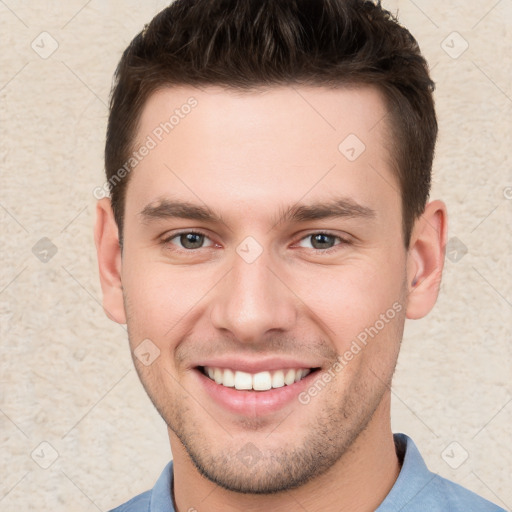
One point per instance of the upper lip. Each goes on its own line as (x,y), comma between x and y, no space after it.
(255,366)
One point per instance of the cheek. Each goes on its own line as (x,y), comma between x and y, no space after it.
(350,299)
(158,297)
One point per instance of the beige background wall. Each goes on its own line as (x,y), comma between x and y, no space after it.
(66,377)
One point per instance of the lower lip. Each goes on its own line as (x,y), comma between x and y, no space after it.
(253,403)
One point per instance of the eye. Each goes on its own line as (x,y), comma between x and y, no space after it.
(188,240)
(322,241)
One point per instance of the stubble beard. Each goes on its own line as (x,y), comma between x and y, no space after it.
(251,468)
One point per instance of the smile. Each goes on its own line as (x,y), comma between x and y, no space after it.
(261,381)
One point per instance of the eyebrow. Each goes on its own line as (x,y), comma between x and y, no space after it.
(167,209)
(337,208)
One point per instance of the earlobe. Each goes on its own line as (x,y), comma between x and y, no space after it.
(106,238)
(425,259)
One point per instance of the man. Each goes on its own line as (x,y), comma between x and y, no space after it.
(267,235)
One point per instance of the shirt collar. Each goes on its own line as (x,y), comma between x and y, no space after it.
(161,495)
(413,478)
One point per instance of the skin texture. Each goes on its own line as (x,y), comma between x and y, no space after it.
(250,157)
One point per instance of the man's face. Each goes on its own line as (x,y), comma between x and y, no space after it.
(268,284)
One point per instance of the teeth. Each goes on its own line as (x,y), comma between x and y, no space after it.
(262,381)
(228,379)
(278,379)
(242,380)
(289,377)
(217,375)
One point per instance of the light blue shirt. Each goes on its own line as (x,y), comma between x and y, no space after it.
(416,490)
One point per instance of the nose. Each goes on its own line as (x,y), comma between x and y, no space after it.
(252,300)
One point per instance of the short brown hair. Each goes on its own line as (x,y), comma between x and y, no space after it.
(245,44)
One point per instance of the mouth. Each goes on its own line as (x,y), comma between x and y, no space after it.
(260,381)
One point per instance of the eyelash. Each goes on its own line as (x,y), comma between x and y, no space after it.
(343,241)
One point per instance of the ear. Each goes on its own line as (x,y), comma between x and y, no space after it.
(106,237)
(425,259)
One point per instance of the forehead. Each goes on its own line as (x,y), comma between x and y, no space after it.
(251,149)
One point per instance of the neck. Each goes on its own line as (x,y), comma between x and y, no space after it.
(358,482)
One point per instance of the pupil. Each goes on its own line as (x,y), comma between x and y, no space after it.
(324,241)
(192,240)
